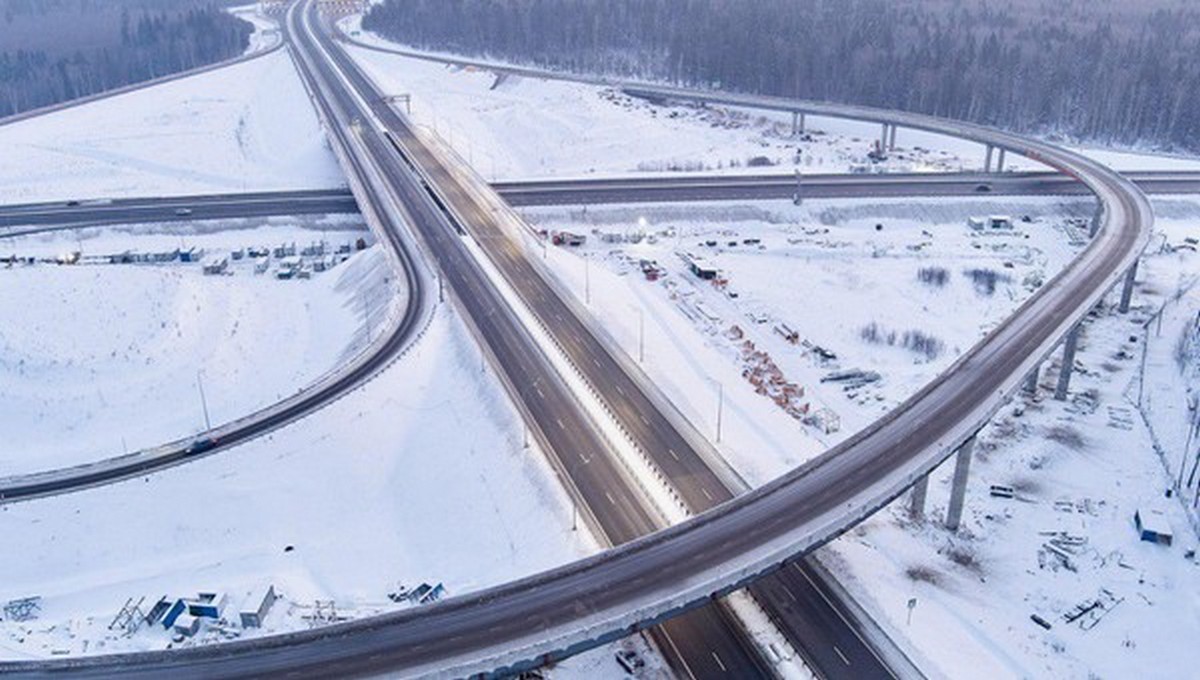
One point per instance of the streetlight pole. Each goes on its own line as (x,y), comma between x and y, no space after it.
(641,335)
(587,279)
(720,408)
(203,402)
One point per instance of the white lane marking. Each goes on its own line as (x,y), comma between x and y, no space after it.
(609,497)
(678,655)
(560,424)
(719,663)
(841,656)
(673,454)
(706,493)
(836,610)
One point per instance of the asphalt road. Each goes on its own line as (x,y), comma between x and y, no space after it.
(17,220)
(737,542)
(777,186)
(700,644)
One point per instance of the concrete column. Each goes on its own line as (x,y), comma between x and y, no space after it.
(797,123)
(1127,289)
(892,139)
(1000,161)
(1068,365)
(987,159)
(1031,383)
(883,138)
(1097,218)
(916,501)
(958,492)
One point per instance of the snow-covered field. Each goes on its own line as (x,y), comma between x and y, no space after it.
(520,127)
(514,127)
(243,128)
(1080,469)
(824,271)
(419,476)
(92,345)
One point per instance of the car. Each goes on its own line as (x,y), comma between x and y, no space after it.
(183,212)
(983,188)
(200,446)
(73,202)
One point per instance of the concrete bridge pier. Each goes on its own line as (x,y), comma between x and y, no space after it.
(1000,161)
(958,492)
(1068,365)
(883,137)
(892,139)
(1097,218)
(987,158)
(916,501)
(1031,383)
(1127,288)
(797,123)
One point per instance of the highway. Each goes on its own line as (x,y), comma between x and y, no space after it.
(696,188)
(20,220)
(677,569)
(701,644)
(24,219)
(794,598)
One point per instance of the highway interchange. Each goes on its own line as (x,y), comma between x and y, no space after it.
(676,569)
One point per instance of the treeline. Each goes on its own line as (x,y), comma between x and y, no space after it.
(1102,70)
(56,50)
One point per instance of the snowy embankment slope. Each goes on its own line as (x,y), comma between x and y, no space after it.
(109,358)
(248,127)
(420,476)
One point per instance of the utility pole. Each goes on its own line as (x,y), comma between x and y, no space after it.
(203,402)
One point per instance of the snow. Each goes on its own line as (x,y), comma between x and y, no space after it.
(419,476)
(247,127)
(520,127)
(266,32)
(821,269)
(97,344)
(517,127)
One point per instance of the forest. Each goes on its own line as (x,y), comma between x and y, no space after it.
(56,50)
(1104,71)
